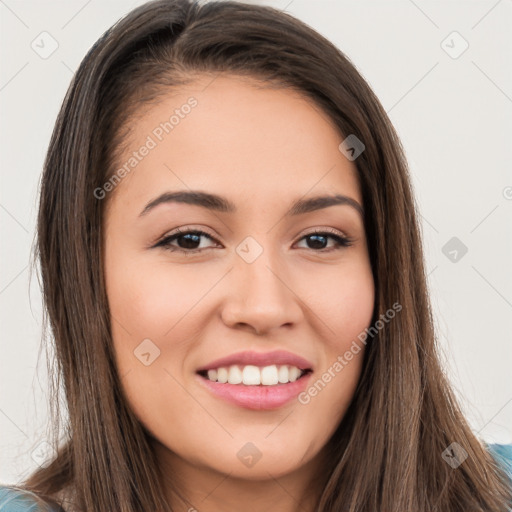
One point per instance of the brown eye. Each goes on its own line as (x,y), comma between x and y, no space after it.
(318,240)
(187,241)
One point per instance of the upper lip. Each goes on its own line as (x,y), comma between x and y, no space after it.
(259,359)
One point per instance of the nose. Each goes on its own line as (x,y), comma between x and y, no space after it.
(261,297)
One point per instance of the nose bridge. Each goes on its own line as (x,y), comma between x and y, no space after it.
(259,295)
(258,267)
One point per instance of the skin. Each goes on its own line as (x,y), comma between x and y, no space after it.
(262,149)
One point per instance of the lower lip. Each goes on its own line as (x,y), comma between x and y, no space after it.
(257,397)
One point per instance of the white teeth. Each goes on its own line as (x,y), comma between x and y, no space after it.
(251,375)
(235,375)
(269,375)
(222,375)
(293,373)
(283,374)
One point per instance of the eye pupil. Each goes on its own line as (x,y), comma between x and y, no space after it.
(186,237)
(189,242)
(315,240)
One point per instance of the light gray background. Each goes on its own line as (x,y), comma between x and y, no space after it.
(454,116)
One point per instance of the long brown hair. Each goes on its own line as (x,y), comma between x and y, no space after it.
(387,451)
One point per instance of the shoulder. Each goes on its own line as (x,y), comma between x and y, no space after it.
(502,453)
(13,499)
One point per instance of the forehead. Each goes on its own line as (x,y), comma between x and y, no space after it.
(236,137)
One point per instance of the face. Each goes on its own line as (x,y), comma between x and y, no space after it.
(273,286)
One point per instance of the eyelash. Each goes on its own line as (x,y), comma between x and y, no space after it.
(341,241)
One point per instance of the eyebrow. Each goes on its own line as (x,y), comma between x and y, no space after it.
(223,205)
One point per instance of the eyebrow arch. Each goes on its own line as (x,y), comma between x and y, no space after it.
(221,204)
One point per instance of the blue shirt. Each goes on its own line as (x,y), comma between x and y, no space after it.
(14,500)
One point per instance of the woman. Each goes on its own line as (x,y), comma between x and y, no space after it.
(233,274)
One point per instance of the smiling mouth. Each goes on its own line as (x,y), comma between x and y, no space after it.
(250,375)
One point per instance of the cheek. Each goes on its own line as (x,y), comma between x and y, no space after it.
(343,299)
(344,303)
(158,302)
(150,314)
(149,300)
